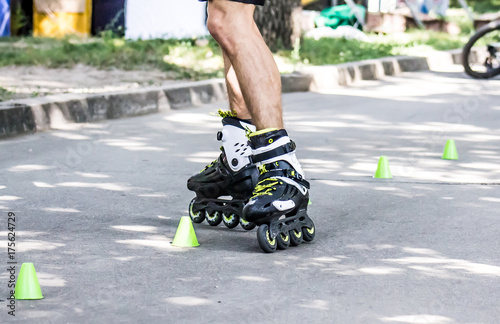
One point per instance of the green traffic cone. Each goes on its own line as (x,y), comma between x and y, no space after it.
(27,286)
(450,151)
(383,170)
(185,235)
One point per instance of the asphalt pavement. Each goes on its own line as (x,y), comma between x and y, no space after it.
(97,206)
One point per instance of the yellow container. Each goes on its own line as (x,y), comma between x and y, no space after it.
(56,18)
(306,2)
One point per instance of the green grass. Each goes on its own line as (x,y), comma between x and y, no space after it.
(176,56)
(191,59)
(5,94)
(328,51)
(335,51)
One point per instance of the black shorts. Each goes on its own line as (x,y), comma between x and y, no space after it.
(254,2)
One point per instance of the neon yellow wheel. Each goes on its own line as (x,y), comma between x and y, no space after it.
(283,241)
(248,226)
(296,237)
(214,218)
(197,217)
(309,233)
(231,220)
(266,242)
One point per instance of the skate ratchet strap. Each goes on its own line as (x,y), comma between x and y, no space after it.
(280,150)
(292,174)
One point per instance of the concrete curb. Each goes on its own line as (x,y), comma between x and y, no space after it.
(39,114)
(329,76)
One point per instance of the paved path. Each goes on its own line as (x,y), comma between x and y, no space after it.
(97,206)
(36,81)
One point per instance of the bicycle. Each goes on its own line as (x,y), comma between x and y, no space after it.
(481,55)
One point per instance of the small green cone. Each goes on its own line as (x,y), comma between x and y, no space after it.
(383,170)
(27,286)
(450,151)
(185,235)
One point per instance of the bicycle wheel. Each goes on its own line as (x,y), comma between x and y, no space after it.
(481,55)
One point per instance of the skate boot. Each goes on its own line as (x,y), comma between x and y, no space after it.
(226,184)
(279,201)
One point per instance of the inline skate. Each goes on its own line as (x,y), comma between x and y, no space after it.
(279,201)
(226,184)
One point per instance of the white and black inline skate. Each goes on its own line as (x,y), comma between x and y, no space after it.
(226,184)
(279,201)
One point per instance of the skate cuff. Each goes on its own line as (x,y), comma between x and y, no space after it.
(279,151)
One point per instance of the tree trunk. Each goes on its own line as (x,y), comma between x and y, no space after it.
(279,22)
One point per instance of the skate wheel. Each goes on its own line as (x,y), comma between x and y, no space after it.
(231,220)
(214,218)
(283,241)
(295,237)
(264,238)
(198,217)
(248,226)
(309,233)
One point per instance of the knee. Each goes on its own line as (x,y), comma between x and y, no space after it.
(225,25)
(219,27)
(215,24)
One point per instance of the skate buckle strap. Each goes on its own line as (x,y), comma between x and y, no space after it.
(280,150)
(292,174)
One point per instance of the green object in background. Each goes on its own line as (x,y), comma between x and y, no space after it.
(450,151)
(339,16)
(27,286)
(383,170)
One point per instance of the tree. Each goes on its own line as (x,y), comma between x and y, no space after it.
(279,22)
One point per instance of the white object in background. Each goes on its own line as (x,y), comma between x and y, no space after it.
(347,32)
(439,6)
(373,5)
(307,20)
(360,19)
(387,5)
(148,19)
(384,6)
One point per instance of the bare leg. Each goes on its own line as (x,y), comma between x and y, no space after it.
(281,177)
(236,101)
(233,27)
